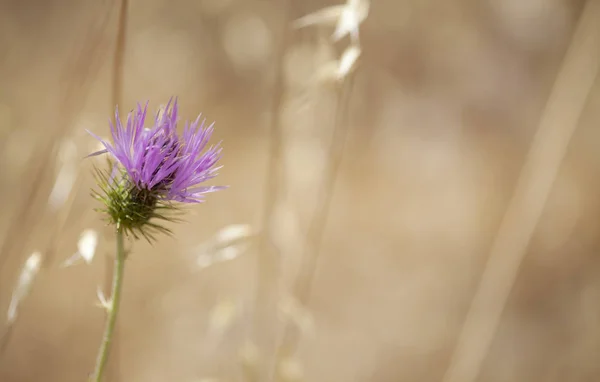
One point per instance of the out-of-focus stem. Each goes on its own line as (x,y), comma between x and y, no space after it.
(559,120)
(268,263)
(81,75)
(309,263)
(113,308)
(119,57)
(316,229)
(5,339)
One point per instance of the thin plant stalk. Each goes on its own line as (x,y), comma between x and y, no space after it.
(565,105)
(118,71)
(304,282)
(81,74)
(62,218)
(310,259)
(268,263)
(112,308)
(5,339)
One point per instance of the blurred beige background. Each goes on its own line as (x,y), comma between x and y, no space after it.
(445,100)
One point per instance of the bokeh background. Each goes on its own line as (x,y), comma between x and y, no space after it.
(380,194)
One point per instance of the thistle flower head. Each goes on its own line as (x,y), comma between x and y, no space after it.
(154,167)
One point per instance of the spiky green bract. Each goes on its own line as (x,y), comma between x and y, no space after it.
(137,211)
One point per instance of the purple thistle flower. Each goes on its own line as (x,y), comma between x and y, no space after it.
(160,160)
(158,165)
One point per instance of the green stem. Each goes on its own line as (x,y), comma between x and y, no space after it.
(113,308)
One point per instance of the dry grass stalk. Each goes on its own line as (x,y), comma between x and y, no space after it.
(559,120)
(81,73)
(268,263)
(309,262)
